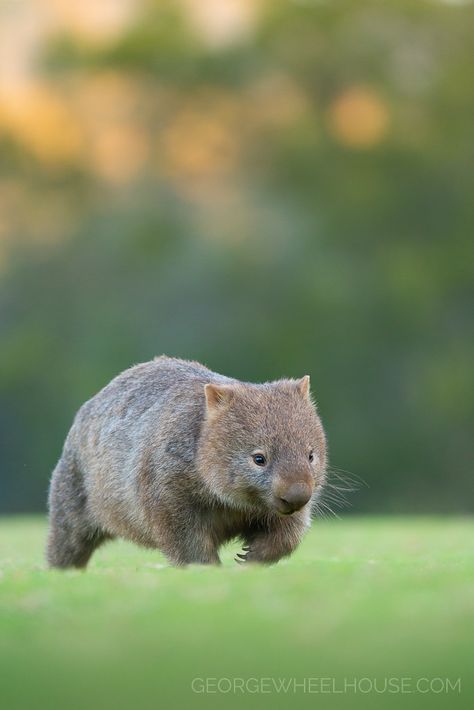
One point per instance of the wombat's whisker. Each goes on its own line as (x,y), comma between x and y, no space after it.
(336,487)
(338,490)
(331,502)
(347,476)
(326,509)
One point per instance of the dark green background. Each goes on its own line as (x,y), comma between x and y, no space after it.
(298,252)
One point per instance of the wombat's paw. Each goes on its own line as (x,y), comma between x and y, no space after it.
(242,558)
(251,554)
(266,550)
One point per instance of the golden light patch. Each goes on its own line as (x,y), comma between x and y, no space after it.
(220,23)
(111,108)
(201,140)
(118,153)
(43,122)
(108,95)
(94,21)
(358,118)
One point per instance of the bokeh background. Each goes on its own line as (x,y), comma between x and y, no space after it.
(272,187)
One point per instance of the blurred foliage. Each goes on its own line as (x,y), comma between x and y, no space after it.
(273,188)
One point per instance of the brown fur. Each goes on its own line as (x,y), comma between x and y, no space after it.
(162,456)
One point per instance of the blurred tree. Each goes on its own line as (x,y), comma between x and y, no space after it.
(272,188)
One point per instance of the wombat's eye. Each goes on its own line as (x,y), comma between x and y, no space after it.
(259,459)
(311,456)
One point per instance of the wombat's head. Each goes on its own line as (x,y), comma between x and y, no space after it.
(262,446)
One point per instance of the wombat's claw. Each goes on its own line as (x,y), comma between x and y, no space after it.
(243,558)
(246,549)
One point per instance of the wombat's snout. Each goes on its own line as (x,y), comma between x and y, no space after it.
(293,497)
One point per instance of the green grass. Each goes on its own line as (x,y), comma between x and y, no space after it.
(361,598)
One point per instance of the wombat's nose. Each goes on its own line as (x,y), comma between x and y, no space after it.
(294,497)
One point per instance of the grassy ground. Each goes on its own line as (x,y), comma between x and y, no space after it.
(362,599)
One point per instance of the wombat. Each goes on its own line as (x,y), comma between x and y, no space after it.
(173,456)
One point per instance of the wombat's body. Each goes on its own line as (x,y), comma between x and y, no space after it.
(173,456)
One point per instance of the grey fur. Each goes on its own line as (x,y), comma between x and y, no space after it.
(158,458)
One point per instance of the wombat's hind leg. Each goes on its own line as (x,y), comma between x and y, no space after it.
(72,537)
(71,548)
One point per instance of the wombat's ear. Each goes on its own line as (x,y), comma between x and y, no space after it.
(218,395)
(303,386)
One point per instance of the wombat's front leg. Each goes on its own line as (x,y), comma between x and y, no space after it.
(279,540)
(198,554)
(185,541)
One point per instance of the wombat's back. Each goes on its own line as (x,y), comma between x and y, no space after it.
(146,418)
(123,405)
